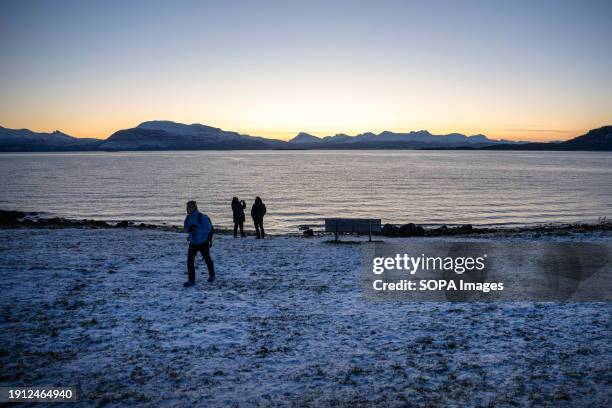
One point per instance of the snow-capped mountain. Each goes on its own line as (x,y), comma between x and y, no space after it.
(387,139)
(167,135)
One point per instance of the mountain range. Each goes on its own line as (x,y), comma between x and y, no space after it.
(167,135)
(421,139)
(20,140)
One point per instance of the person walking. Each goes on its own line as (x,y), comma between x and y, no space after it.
(257,212)
(200,230)
(238,215)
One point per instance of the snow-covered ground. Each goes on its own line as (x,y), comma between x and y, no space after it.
(283,324)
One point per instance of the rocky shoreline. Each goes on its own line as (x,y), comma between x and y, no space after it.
(412,230)
(17,219)
(22,219)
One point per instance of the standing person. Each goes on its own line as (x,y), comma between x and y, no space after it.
(200,231)
(238,214)
(257,212)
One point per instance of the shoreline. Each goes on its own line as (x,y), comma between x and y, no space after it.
(12,219)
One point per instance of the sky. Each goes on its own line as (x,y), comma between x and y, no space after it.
(523,70)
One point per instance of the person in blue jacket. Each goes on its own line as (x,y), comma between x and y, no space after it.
(200,230)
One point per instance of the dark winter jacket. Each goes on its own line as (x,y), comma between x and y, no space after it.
(258,210)
(238,211)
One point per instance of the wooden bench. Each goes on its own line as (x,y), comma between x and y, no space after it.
(353,225)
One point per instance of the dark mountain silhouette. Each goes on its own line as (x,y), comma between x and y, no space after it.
(18,140)
(167,135)
(390,140)
(594,140)
(305,138)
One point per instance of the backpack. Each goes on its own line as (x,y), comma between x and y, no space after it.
(212,228)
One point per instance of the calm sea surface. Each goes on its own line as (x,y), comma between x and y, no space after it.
(304,187)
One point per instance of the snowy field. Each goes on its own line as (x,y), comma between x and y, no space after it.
(283,324)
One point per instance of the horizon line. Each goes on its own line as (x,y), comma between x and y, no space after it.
(288,135)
